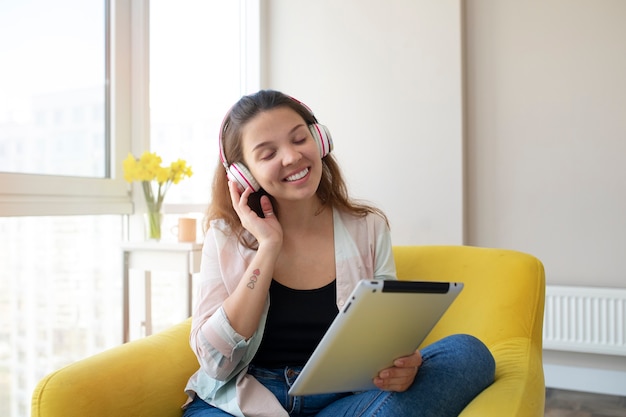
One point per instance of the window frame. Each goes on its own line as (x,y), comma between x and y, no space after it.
(39,195)
(127,118)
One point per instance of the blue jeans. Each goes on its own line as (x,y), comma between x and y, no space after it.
(454,371)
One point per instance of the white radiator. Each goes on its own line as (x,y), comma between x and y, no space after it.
(585,319)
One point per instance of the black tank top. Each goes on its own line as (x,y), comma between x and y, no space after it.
(296,322)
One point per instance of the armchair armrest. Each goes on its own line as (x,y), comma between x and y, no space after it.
(145,377)
(519,386)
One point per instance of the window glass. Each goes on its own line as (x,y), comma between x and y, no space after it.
(195,76)
(60,298)
(52,87)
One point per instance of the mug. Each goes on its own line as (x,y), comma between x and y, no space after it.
(185,230)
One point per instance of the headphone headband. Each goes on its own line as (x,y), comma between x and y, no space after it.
(223,127)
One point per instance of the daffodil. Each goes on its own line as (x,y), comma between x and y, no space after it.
(155,181)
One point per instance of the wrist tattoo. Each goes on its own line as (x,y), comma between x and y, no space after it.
(253,278)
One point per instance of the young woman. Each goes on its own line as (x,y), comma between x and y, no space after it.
(284,248)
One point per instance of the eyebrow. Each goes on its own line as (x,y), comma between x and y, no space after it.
(265,143)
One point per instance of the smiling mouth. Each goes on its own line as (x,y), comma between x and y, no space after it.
(297,176)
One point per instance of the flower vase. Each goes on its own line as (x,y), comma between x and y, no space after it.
(153,222)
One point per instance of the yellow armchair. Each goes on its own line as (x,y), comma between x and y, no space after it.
(501,304)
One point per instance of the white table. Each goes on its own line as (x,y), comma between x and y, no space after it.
(157,256)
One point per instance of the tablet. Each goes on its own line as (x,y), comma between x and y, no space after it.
(381,321)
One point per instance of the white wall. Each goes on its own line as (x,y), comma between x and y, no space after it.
(385,77)
(540,124)
(546,142)
(546,107)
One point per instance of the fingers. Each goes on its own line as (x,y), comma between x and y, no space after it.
(240,201)
(412,361)
(265,228)
(401,376)
(395,379)
(239,198)
(266,207)
(235,194)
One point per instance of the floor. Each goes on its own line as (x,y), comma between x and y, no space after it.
(560,403)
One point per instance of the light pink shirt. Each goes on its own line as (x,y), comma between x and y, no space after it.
(362,251)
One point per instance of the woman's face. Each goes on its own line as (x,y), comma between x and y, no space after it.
(282,155)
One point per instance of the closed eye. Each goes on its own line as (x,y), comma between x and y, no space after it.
(267,155)
(300,141)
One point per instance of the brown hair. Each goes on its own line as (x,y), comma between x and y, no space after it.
(332,190)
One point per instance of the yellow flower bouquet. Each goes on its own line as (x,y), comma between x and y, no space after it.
(155,181)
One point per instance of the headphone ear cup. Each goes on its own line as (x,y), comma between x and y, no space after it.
(241,175)
(321,134)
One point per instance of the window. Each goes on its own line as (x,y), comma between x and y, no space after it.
(59,153)
(59,301)
(196,73)
(62,223)
(53,88)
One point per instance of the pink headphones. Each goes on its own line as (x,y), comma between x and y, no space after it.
(240,174)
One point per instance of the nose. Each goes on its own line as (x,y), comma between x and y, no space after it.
(291,155)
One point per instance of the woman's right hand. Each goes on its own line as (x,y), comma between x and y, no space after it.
(268,230)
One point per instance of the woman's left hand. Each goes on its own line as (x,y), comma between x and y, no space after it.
(400,376)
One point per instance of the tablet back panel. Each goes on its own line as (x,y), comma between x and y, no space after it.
(382,321)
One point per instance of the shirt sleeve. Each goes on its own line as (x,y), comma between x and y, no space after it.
(384,263)
(218,347)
